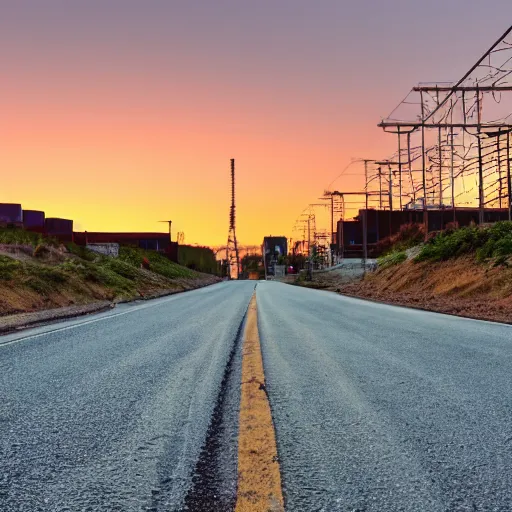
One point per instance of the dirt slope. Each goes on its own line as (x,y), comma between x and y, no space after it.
(460,286)
(46,277)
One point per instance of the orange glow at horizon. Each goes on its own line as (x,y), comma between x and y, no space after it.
(119,115)
(111,171)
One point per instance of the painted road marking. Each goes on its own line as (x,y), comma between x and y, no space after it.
(259,478)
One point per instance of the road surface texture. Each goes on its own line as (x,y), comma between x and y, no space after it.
(381,408)
(112,412)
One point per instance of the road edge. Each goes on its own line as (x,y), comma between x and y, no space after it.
(53,316)
(399,304)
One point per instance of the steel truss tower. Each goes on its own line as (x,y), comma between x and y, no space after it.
(461,138)
(232,255)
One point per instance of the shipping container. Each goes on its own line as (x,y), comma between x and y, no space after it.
(61,229)
(11,213)
(33,220)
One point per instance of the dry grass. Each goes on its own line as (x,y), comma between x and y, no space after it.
(34,278)
(259,479)
(460,286)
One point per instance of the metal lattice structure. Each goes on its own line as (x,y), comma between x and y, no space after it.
(232,255)
(454,140)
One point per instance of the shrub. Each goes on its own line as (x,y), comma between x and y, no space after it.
(391,259)
(44,280)
(488,242)
(107,277)
(408,236)
(121,268)
(41,251)
(158,263)
(81,252)
(8,267)
(14,235)
(199,258)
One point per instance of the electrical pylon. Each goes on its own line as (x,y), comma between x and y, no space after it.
(232,255)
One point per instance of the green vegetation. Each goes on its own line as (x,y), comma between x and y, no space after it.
(8,266)
(393,258)
(38,273)
(486,243)
(21,237)
(81,252)
(121,278)
(158,263)
(201,259)
(409,235)
(43,280)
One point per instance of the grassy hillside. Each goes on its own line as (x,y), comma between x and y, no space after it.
(487,243)
(465,271)
(37,273)
(201,259)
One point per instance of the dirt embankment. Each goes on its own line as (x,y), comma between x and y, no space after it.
(460,286)
(44,278)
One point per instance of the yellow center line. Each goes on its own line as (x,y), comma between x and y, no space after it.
(259,478)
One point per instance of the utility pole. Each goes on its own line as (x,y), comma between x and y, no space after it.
(400,168)
(310,263)
(509,179)
(265,258)
(440,151)
(170,224)
(424,166)
(365,238)
(331,252)
(365,217)
(380,188)
(500,180)
(481,200)
(390,174)
(452,175)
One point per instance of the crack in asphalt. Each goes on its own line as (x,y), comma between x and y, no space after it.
(213,487)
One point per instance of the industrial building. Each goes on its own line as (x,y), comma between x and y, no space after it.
(12,214)
(274,248)
(384,223)
(34,220)
(151,241)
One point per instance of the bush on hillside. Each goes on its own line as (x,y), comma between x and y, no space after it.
(408,236)
(81,252)
(391,259)
(7,267)
(201,259)
(159,263)
(488,242)
(13,235)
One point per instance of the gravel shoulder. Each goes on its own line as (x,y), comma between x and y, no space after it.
(458,287)
(20,321)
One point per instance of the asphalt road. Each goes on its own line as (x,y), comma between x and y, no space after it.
(376,408)
(381,408)
(110,412)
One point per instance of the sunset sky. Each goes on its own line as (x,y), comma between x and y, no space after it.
(121,113)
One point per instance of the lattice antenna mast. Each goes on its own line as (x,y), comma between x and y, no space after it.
(232,214)
(232,254)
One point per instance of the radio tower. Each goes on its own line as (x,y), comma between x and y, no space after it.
(232,245)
